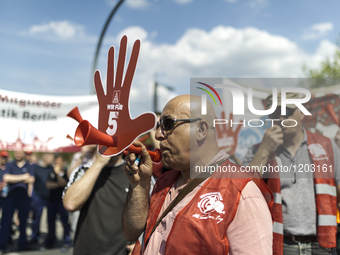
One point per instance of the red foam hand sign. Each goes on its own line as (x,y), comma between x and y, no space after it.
(114,114)
(329,109)
(227,137)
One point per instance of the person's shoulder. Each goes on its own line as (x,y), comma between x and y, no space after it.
(251,190)
(82,168)
(320,136)
(28,165)
(11,163)
(231,171)
(317,136)
(78,172)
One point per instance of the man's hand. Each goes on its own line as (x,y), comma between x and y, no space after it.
(12,178)
(137,202)
(272,139)
(138,173)
(101,161)
(26,178)
(2,184)
(227,137)
(114,113)
(57,168)
(129,248)
(30,180)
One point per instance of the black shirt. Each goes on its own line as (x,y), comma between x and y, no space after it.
(99,230)
(18,189)
(41,175)
(56,194)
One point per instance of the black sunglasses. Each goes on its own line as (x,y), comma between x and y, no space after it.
(277,112)
(168,123)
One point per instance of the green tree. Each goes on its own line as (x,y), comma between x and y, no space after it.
(327,74)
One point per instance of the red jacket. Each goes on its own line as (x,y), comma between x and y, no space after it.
(197,230)
(321,151)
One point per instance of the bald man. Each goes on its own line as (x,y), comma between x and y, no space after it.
(221,215)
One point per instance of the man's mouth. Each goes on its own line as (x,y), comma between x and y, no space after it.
(163,148)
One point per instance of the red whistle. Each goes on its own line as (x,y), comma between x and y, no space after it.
(155,155)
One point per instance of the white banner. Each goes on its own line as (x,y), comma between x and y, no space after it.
(39,123)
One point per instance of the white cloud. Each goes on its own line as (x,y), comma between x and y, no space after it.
(134,4)
(137,4)
(221,52)
(60,29)
(133,33)
(323,27)
(318,31)
(183,1)
(257,4)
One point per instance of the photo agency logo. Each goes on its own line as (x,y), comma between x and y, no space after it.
(282,103)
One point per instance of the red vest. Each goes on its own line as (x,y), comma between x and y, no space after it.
(196,231)
(321,151)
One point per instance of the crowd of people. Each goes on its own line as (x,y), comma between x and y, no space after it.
(131,205)
(27,186)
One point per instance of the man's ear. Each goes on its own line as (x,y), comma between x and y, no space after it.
(203,128)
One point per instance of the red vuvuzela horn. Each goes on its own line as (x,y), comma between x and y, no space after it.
(75,114)
(69,137)
(155,155)
(329,109)
(88,134)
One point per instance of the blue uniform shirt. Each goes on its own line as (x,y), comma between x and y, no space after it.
(19,189)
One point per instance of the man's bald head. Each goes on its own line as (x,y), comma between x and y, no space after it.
(187,142)
(191,106)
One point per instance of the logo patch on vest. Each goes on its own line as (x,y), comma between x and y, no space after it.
(210,206)
(317,152)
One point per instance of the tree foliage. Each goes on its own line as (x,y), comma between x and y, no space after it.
(328,73)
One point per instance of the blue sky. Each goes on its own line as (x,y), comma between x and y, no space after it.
(47,47)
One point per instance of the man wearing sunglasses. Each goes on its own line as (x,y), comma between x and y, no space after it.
(305,198)
(221,215)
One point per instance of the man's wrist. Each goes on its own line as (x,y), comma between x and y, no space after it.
(100,164)
(145,184)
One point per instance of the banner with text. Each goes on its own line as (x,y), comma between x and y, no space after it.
(39,123)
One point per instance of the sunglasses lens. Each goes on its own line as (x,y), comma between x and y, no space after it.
(167,124)
(276,113)
(290,111)
(158,125)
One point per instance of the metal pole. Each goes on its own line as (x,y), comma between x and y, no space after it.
(94,67)
(155,102)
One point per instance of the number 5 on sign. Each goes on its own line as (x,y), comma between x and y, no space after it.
(111,130)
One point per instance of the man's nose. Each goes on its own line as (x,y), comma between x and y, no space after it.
(159,135)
